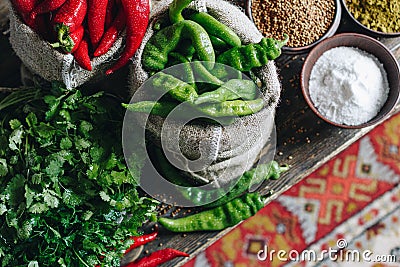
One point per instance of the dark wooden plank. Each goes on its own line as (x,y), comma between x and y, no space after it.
(303,140)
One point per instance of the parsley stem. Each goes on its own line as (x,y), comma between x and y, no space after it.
(79,257)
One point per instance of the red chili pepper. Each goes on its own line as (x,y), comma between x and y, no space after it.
(109,13)
(24,8)
(141,240)
(111,35)
(81,55)
(77,37)
(69,17)
(71,43)
(96,18)
(158,257)
(46,6)
(137,17)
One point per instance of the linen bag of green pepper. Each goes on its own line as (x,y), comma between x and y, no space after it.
(223,38)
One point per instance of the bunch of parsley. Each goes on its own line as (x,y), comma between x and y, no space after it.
(66,195)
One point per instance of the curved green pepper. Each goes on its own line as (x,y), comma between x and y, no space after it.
(176,88)
(203,75)
(157,49)
(218,44)
(186,72)
(216,28)
(232,108)
(246,57)
(176,8)
(231,90)
(151,107)
(262,172)
(218,218)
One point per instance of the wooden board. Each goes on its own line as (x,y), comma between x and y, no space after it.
(303,140)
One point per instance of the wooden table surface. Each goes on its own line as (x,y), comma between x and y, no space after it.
(303,140)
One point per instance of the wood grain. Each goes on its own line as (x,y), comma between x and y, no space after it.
(303,140)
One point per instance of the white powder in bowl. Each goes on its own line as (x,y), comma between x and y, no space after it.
(348,86)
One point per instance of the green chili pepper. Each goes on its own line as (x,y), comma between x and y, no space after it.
(218,44)
(216,28)
(218,218)
(157,49)
(176,8)
(232,108)
(246,57)
(203,75)
(186,72)
(151,107)
(176,88)
(262,172)
(225,72)
(231,90)
(186,49)
(217,110)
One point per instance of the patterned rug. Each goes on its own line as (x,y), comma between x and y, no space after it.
(346,213)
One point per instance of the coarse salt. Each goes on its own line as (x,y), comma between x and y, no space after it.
(348,86)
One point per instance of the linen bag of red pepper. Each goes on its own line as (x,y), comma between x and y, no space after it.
(87,28)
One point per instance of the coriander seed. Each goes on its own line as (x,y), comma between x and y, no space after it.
(305,21)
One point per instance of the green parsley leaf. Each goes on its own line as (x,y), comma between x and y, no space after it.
(15,139)
(3,167)
(65,143)
(15,124)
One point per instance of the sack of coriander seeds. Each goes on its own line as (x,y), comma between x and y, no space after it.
(50,63)
(232,149)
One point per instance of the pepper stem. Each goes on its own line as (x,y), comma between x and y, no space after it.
(284,168)
(64,40)
(280,43)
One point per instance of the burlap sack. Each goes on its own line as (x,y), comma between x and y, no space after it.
(45,61)
(232,149)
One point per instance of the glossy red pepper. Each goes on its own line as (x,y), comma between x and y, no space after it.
(96,18)
(137,17)
(76,37)
(69,17)
(109,13)
(111,35)
(46,6)
(81,55)
(141,240)
(158,257)
(24,9)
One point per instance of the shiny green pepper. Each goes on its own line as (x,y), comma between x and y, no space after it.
(231,90)
(255,176)
(176,8)
(185,70)
(246,57)
(216,28)
(218,44)
(218,218)
(151,107)
(232,108)
(176,88)
(157,49)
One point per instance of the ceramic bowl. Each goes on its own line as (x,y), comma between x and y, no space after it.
(369,45)
(367,30)
(303,49)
